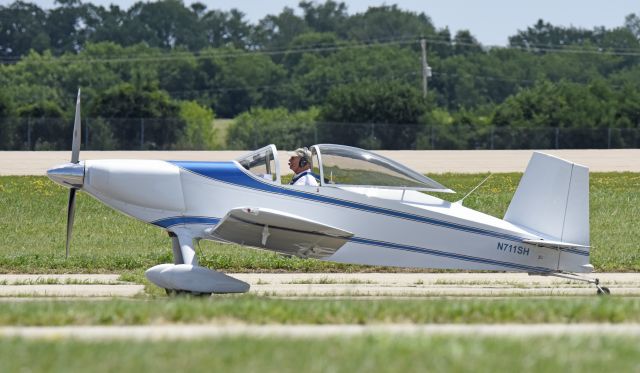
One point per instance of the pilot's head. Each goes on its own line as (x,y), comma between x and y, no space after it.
(300,160)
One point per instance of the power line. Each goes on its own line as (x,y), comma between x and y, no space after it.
(325,47)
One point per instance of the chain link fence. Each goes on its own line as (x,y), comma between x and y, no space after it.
(97,133)
(164,134)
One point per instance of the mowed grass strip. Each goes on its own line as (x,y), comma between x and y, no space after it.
(258,310)
(372,353)
(33,220)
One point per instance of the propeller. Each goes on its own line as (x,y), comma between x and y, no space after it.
(75,155)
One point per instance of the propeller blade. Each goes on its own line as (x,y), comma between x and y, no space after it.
(70,215)
(75,145)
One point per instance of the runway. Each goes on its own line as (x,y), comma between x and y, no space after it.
(424,161)
(362,285)
(163,332)
(88,287)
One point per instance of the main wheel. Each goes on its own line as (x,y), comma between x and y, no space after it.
(603,291)
(186,293)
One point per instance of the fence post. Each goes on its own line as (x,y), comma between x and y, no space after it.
(492,130)
(433,140)
(255,134)
(373,132)
(315,132)
(557,135)
(608,137)
(86,133)
(29,133)
(141,133)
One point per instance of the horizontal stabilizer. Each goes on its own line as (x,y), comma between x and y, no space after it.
(280,231)
(555,244)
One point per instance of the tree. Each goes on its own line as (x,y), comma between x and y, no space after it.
(632,23)
(545,35)
(43,126)
(373,114)
(7,122)
(166,24)
(260,127)
(110,25)
(236,81)
(136,116)
(388,23)
(581,113)
(64,26)
(324,17)
(22,29)
(225,29)
(314,76)
(465,43)
(198,132)
(309,41)
(277,31)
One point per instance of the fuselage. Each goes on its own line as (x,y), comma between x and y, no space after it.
(402,228)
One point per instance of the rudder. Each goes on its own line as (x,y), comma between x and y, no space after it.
(553,200)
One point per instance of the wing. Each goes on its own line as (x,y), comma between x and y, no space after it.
(280,231)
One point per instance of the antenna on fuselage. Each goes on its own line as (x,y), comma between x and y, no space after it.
(459,202)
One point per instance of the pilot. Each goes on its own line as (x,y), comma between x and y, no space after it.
(301,163)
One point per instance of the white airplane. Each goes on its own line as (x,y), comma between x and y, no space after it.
(367,209)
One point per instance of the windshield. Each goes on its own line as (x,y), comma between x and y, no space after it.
(263,163)
(346,165)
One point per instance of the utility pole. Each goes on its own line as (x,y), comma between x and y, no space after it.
(426,70)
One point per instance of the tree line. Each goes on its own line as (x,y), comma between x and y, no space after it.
(155,76)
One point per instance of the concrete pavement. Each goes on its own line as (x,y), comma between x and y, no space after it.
(181,332)
(424,161)
(370,285)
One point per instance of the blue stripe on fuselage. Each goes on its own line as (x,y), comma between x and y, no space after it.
(176,220)
(228,172)
(467,258)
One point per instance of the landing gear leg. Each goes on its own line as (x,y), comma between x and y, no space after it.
(175,246)
(186,277)
(601,289)
(573,276)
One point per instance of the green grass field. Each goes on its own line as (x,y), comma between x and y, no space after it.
(33,215)
(373,353)
(262,310)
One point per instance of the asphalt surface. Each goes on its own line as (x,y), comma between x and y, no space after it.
(424,161)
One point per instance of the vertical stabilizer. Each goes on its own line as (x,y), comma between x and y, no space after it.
(553,199)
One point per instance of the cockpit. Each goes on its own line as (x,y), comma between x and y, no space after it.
(344,166)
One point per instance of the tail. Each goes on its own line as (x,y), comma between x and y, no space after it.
(553,200)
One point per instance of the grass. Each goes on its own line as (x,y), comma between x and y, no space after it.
(56,281)
(33,219)
(221,128)
(374,353)
(261,310)
(326,280)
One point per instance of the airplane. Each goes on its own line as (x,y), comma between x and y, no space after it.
(366,209)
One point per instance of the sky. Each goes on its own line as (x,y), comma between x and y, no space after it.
(490,21)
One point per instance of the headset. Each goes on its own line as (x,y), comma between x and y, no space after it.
(303,162)
(303,159)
